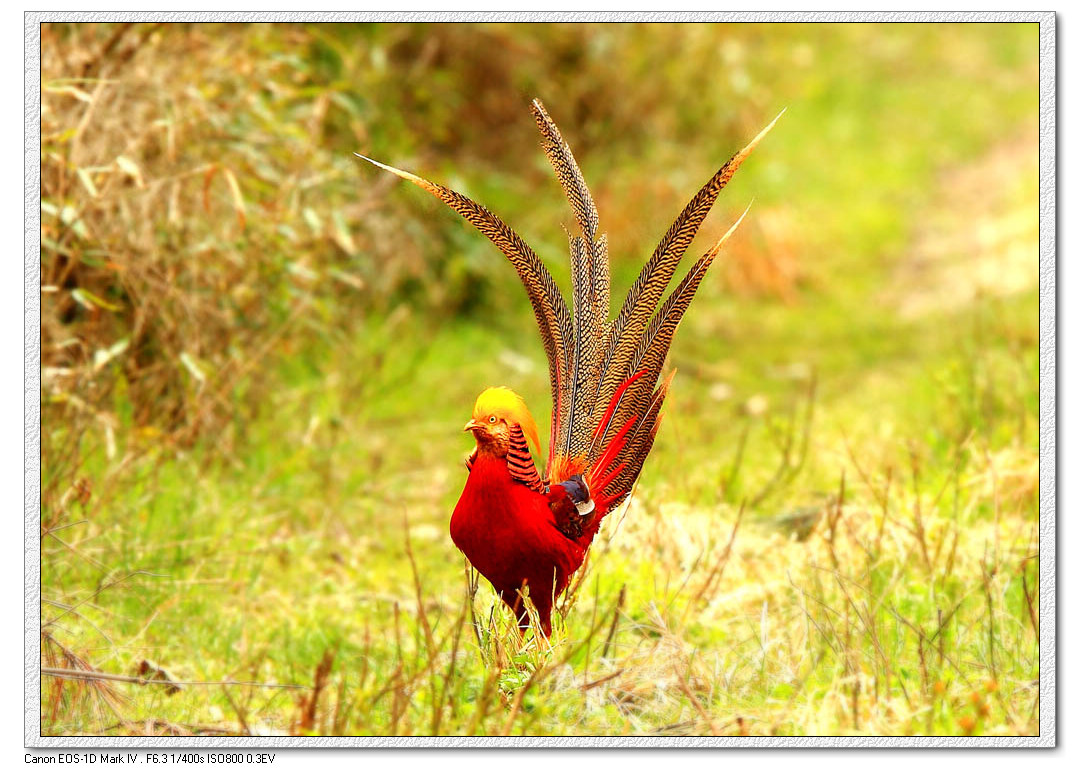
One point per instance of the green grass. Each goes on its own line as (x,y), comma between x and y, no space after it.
(254,569)
(837,532)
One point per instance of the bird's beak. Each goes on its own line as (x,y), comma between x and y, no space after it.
(472,425)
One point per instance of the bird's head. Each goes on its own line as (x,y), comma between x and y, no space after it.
(496,410)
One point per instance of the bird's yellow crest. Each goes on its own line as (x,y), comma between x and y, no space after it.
(508,405)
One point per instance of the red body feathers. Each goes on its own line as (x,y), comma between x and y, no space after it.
(508,533)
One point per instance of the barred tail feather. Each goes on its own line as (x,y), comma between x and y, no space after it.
(549,307)
(590,274)
(652,350)
(578,405)
(645,293)
(567,172)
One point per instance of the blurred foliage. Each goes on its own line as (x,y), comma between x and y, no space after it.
(253,344)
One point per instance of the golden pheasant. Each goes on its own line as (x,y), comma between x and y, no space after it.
(518,529)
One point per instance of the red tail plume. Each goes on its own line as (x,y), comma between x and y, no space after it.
(610,463)
(602,426)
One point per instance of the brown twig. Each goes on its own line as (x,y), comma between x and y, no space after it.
(72,673)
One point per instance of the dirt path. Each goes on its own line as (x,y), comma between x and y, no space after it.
(979,235)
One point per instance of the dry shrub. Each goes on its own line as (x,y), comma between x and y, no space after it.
(179,239)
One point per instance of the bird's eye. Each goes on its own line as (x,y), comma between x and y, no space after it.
(492,419)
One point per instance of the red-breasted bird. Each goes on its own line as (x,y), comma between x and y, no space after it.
(523,530)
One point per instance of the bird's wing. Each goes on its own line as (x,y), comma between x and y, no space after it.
(572,506)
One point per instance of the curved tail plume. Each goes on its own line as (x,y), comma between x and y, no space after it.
(603,374)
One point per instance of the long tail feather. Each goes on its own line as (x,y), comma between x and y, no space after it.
(547,301)
(584,350)
(590,274)
(605,420)
(603,463)
(567,172)
(655,343)
(612,474)
(640,444)
(645,293)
